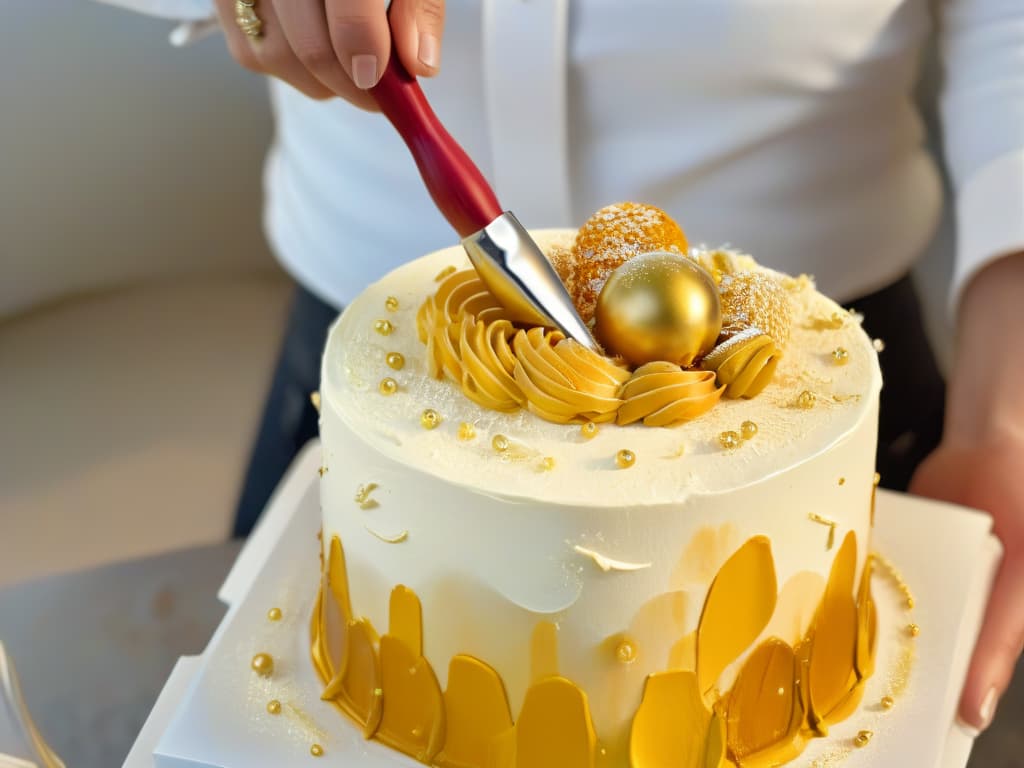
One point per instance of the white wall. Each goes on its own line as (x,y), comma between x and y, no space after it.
(120,156)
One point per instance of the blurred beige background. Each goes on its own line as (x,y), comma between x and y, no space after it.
(139,307)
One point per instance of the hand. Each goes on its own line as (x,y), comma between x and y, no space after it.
(328,48)
(991,478)
(980,463)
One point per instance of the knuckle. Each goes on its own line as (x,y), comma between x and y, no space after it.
(349,20)
(432,10)
(316,55)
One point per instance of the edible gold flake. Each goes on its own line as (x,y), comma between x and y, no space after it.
(500,443)
(748,429)
(547,464)
(314,398)
(362,497)
(806,400)
(398,538)
(877,479)
(840,356)
(816,518)
(589,430)
(878,344)
(625,652)
(322,471)
(833,323)
(449,270)
(862,738)
(262,664)
(430,418)
(388,386)
(888,702)
(395,360)
(678,453)
(316,750)
(842,481)
(274,707)
(466,431)
(729,440)
(625,459)
(913,630)
(383,327)
(606,563)
(274,614)
(391,303)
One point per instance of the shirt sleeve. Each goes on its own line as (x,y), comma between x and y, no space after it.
(983,121)
(179,10)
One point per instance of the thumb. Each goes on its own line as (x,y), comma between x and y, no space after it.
(418,26)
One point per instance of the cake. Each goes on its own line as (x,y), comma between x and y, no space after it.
(537,556)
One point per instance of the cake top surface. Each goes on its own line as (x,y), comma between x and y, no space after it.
(826,383)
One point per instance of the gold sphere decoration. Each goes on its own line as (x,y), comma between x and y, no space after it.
(262,664)
(659,306)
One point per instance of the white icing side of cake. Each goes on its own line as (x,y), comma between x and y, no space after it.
(494,546)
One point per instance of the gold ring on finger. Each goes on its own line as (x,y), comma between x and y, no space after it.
(246,18)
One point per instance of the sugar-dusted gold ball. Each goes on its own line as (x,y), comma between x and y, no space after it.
(659,306)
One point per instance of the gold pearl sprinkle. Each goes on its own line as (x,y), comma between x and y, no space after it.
(748,429)
(466,431)
(316,750)
(430,419)
(806,400)
(274,707)
(314,398)
(878,344)
(625,652)
(840,356)
(913,630)
(547,464)
(625,459)
(500,443)
(729,440)
(862,738)
(877,479)
(910,603)
(388,386)
(888,702)
(589,430)
(262,664)
(449,270)
(391,303)
(383,327)
(274,614)
(842,481)
(395,360)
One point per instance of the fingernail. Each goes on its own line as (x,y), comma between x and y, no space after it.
(988,708)
(967,728)
(430,51)
(364,71)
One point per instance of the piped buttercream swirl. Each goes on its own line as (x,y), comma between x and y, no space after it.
(663,394)
(744,363)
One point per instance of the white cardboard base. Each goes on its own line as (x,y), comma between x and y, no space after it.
(212,713)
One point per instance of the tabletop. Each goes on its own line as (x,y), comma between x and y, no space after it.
(94,648)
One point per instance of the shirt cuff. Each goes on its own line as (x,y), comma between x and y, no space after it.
(179,10)
(990,220)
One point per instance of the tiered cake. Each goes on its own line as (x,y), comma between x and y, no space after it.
(538,556)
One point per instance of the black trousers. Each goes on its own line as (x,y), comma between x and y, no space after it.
(911,406)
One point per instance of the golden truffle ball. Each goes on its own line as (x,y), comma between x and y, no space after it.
(756,300)
(609,238)
(659,306)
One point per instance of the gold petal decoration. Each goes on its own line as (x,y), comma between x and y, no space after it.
(356,688)
(867,625)
(477,713)
(554,729)
(663,394)
(739,605)
(673,728)
(413,719)
(764,709)
(832,642)
(744,363)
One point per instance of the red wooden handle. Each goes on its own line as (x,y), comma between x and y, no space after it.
(453,180)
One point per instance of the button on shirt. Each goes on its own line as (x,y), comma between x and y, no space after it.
(785,128)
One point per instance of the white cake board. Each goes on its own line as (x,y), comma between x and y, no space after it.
(212,712)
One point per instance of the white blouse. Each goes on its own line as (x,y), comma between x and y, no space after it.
(786,128)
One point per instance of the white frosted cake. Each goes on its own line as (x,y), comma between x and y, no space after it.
(538,556)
